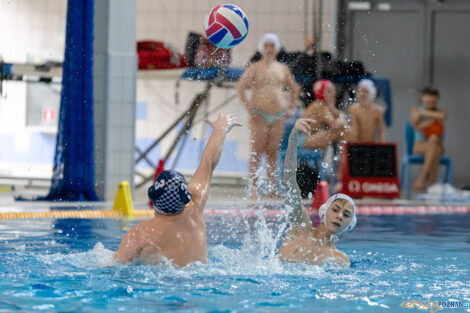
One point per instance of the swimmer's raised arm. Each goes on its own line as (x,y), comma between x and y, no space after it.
(298,217)
(200,183)
(246,82)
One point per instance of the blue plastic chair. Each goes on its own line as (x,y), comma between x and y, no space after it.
(411,158)
(313,158)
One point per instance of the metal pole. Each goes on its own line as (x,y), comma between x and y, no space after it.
(316,33)
(305,20)
(341,29)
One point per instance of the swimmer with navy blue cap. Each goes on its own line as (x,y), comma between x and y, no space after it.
(302,242)
(169,194)
(176,236)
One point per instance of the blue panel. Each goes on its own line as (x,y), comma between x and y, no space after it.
(190,156)
(40,150)
(141,111)
(383,85)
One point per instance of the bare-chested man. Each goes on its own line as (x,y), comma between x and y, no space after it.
(367,118)
(328,123)
(303,243)
(177,233)
(267,107)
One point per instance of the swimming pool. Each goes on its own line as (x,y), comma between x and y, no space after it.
(61,265)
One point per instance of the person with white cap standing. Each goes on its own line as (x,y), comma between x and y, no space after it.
(267,109)
(302,242)
(367,118)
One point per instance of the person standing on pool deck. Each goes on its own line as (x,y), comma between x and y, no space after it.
(303,243)
(267,108)
(367,118)
(177,233)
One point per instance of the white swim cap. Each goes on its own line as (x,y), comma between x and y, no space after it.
(326,205)
(269,37)
(369,85)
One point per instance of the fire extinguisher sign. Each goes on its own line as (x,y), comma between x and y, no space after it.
(48,115)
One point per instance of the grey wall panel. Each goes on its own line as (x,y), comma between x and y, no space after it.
(414,44)
(451,74)
(391,45)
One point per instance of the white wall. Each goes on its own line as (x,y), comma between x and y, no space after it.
(34,29)
(37,28)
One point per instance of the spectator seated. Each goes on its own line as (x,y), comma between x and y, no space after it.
(411,158)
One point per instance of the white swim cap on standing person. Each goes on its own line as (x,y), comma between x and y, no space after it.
(324,207)
(269,37)
(369,85)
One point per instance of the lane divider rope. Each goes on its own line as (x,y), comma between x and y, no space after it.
(142,213)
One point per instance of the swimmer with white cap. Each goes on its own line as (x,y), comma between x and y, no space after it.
(177,233)
(303,243)
(367,118)
(267,108)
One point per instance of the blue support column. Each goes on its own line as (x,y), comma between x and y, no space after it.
(74,171)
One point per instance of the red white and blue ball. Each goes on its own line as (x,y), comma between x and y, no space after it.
(226,26)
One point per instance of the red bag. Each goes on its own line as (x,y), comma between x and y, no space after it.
(157,55)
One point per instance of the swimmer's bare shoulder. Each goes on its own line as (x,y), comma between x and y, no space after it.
(131,245)
(311,111)
(284,68)
(354,108)
(137,239)
(379,110)
(254,66)
(342,258)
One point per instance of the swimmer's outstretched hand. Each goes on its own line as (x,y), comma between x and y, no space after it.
(302,125)
(225,122)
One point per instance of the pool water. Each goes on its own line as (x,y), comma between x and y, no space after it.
(65,266)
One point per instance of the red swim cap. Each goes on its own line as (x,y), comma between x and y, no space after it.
(319,88)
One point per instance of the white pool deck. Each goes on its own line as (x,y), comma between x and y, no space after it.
(222,197)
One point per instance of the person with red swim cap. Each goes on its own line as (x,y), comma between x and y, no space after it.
(319,88)
(329,123)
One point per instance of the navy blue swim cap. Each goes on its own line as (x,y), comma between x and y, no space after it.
(170,192)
